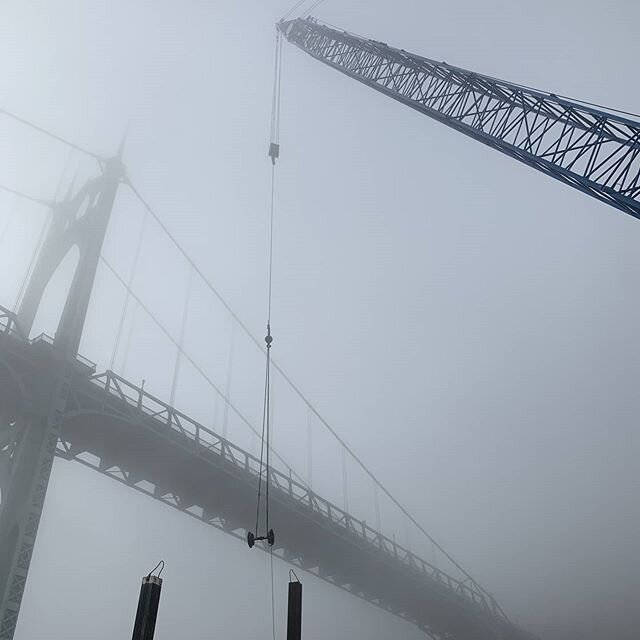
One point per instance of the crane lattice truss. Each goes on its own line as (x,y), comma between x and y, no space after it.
(591,149)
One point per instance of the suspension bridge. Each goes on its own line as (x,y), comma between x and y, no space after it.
(53,401)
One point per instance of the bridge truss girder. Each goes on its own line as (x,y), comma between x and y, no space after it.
(123,432)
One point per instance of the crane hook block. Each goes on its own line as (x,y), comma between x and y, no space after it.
(274,152)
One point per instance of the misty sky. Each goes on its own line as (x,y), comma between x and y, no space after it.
(468,325)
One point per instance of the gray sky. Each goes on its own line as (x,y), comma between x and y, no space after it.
(468,325)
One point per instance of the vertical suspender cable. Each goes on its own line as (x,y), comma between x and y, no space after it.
(32,261)
(376,504)
(185,315)
(310,448)
(345,489)
(132,275)
(5,228)
(225,418)
(127,346)
(407,535)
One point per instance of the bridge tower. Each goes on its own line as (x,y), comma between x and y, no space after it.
(30,428)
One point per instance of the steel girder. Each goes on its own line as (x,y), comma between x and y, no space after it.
(591,149)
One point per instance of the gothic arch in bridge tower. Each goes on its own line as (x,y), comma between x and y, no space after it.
(55,295)
(73,244)
(70,254)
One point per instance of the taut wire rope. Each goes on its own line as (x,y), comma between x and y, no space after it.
(292,10)
(243,326)
(265,445)
(51,209)
(26,196)
(297,389)
(54,136)
(286,378)
(191,361)
(132,275)
(265,454)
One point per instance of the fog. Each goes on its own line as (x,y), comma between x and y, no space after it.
(467,325)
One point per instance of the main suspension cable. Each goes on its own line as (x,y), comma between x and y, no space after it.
(54,136)
(25,196)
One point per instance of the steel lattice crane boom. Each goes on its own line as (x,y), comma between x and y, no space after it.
(593,149)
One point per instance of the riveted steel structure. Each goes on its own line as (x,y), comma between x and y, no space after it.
(34,400)
(124,432)
(592,149)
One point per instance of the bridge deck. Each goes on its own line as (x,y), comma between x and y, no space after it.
(124,432)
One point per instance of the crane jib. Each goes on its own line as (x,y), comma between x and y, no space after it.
(591,148)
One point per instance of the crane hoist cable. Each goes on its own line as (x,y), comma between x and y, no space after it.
(262,503)
(297,6)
